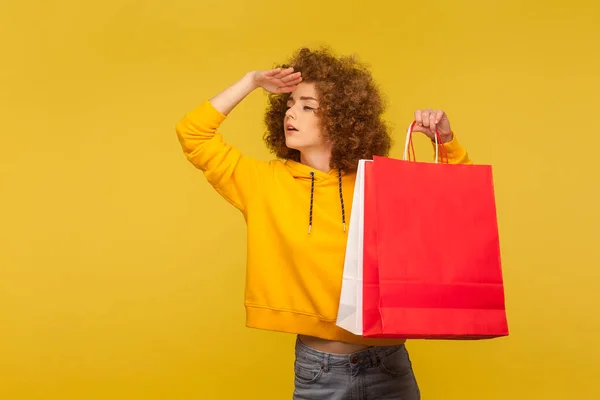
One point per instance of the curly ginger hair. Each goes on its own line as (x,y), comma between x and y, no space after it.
(350,106)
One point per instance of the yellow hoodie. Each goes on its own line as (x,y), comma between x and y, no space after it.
(293,277)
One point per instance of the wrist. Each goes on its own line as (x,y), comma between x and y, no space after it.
(445,137)
(250,80)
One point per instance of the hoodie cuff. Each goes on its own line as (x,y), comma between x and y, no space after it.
(454,149)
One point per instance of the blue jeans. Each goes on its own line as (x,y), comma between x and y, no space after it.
(373,373)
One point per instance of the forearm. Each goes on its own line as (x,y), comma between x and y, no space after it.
(226,101)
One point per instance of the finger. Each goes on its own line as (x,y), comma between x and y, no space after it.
(286,89)
(419,117)
(438,116)
(292,77)
(419,128)
(432,121)
(284,72)
(272,72)
(295,82)
(425,118)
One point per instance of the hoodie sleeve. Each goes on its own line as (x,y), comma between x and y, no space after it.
(457,154)
(232,174)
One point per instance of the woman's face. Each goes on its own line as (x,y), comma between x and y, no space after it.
(302,122)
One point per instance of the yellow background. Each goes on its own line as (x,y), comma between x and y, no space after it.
(122,271)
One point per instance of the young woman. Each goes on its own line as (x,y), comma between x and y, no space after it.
(324,114)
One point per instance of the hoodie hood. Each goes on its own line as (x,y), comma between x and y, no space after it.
(301,171)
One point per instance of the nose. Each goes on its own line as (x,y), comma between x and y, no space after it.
(290,113)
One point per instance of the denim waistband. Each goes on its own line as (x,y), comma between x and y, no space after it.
(366,358)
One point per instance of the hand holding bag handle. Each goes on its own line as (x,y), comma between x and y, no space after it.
(409,143)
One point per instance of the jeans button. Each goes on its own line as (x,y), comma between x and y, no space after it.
(354,359)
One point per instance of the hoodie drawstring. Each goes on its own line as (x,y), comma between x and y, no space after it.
(342,199)
(312,191)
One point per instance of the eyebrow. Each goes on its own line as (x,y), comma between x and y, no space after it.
(303,98)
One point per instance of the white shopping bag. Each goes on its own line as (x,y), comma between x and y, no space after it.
(350,311)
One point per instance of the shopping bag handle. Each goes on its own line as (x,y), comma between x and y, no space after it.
(409,143)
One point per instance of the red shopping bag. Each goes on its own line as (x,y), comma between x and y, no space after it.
(431,258)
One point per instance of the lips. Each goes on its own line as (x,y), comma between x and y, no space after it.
(290,128)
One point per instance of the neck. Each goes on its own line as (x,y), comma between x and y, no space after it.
(317,160)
